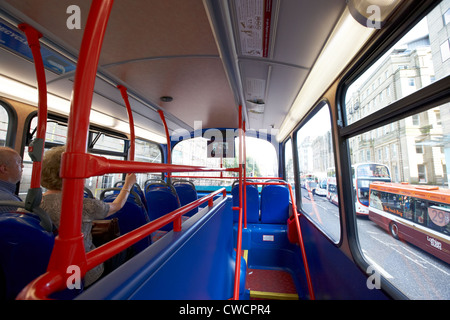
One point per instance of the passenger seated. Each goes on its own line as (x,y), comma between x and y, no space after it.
(10,174)
(93,209)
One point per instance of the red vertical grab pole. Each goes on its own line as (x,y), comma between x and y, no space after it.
(166,129)
(69,245)
(244,152)
(177,223)
(237,271)
(33,37)
(302,245)
(123,91)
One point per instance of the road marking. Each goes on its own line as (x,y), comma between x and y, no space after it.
(418,259)
(377,267)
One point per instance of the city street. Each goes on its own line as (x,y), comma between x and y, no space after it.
(413,271)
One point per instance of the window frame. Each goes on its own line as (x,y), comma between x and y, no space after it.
(436,93)
(293,136)
(93,130)
(12,124)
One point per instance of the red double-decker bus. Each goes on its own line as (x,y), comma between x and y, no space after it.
(417,214)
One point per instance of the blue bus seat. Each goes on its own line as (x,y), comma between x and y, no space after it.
(154,183)
(25,249)
(161,201)
(132,215)
(275,204)
(137,189)
(88,193)
(186,193)
(252,203)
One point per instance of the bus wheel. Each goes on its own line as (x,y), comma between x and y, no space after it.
(393,228)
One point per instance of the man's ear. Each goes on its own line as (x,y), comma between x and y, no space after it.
(3,168)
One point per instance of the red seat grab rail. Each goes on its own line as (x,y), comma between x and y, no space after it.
(110,249)
(52,281)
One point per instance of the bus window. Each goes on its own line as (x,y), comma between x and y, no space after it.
(109,147)
(146,151)
(261,161)
(99,143)
(412,63)
(427,168)
(316,156)
(289,165)
(103,143)
(56,134)
(261,157)
(4,123)
(416,152)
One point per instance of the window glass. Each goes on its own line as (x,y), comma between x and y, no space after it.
(418,156)
(146,151)
(317,175)
(193,152)
(416,61)
(4,122)
(261,161)
(403,225)
(56,134)
(289,165)
(108,143)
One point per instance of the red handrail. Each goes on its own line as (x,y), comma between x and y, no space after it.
(124,94)
(33,37)
(237,270)
(110,249)
(166,129)
(52,281)
(244,152)
(97,165)
(69,245)
(299,233)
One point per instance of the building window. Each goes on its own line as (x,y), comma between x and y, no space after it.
(419,148)
(446,17)
(422,173)
(445,51)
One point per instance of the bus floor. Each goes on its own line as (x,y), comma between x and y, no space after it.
(269,284)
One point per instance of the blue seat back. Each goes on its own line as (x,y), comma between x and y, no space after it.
(132,215)
(275,204)
(161,201)
(186,193)
(137,189)
(25,249)
(252,203)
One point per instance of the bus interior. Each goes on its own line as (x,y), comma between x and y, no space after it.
(226,108)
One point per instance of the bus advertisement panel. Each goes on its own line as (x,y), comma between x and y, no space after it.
(417,214)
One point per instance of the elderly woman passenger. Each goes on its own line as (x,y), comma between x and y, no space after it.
(93,209)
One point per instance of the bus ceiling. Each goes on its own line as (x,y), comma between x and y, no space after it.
(196,60)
